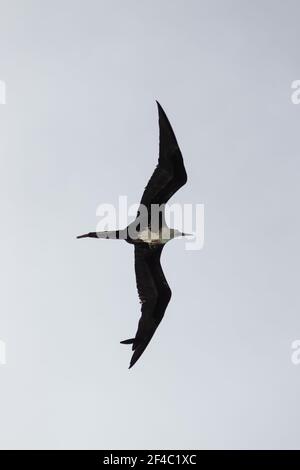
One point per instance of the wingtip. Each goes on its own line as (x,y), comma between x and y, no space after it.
(86,235)
(132,361)
(132,364)
(161,111)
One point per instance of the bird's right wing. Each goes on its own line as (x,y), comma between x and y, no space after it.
(154,294)
(169,174)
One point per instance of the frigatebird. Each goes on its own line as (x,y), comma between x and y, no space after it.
(149,233)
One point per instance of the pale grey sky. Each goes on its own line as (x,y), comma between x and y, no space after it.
(80,128)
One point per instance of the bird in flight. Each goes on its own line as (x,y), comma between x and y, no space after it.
(149,233)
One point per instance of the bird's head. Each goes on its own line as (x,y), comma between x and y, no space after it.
(177,233)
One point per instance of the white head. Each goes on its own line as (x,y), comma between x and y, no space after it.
(177,233)
(170,233)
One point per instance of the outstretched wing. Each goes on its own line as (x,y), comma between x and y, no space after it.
(154,293)
(170,174)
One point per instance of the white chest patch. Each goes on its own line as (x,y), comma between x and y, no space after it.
(149,236)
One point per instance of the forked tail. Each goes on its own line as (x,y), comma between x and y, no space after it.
(128,341)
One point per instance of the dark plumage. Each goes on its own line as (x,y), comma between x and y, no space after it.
(153,289)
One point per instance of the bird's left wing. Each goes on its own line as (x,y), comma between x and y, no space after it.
(169,174)
(154,293)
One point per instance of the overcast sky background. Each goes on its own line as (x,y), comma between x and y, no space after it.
(79,129)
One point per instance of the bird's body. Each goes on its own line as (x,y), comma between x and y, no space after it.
(155,237)
(149,233)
